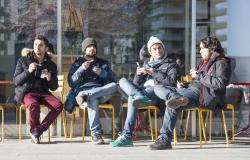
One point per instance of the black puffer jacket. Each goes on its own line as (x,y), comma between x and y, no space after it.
(166,73)
(214,79)
(24,80)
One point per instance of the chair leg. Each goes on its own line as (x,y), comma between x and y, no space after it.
(20,124)
(113,123)
(210,126)
(187,120)
(175,137)
(156,124)
(64,124)
(2,126)
(49,131)
(225,125)
(150,125)
(200,131)
(207,114)
(17,115)
(232,123)
(203,127)
(122,118)
(181,120)
(72,126)
(83,123)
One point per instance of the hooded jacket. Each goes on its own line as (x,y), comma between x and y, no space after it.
(166,73)
(24,80)
(214,78)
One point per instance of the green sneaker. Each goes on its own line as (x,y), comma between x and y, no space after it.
(141,98)
(122,141)
(141,101)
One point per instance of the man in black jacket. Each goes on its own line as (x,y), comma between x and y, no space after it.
(207,89)
(34,76)
(157,69)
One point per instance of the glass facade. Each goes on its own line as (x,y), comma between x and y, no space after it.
(121,27)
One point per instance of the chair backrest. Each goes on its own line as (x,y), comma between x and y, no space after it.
(186,78)
(66,87)
(59,91)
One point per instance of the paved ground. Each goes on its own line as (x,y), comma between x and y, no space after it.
(65,150)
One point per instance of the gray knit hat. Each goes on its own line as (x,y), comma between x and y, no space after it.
(153,40)
(87,42)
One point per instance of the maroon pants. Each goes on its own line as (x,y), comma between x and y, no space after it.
(33,101)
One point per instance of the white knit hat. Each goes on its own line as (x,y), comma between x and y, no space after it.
(153,40)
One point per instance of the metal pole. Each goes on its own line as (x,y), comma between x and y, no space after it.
(187,36)
(193,59)
(59,55)
(59,36)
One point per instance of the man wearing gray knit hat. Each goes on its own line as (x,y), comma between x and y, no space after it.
(92,82)
(157,69)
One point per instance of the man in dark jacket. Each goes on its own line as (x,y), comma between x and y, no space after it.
(158,69)
(93,82)
(207,89)
(34,76)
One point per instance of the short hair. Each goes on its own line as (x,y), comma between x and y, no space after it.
(42,38)
(51,48)
(213,43)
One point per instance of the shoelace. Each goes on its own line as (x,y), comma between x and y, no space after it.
(160,139)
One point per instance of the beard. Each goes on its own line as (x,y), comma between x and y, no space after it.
(90,56)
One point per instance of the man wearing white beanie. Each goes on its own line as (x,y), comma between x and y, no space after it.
(157,69)
(153,40)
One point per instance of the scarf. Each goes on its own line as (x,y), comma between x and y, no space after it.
(153,62)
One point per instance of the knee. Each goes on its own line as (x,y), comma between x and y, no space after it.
(33,105)
(122,81)
(113,85)
(158,87)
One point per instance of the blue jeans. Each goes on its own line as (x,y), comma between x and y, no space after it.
(95,97)
(171,115)
(132,90)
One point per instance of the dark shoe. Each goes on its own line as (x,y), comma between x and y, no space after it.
(160,144)
(35,137)
(97,139)
(176,102)
(141,101)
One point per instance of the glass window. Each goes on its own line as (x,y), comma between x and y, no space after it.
(121,27)
(211,20)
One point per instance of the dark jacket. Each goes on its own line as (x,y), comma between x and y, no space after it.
(166,73)
(24,80)
(79,79)
(214,79)
(85,79)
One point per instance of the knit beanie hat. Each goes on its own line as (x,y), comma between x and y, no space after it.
(153,40)
(87,42)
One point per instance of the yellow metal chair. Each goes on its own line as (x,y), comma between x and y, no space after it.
(84,115)
(2,109)
(229,107)
(57,93)
(149,109)
(202,125)
(3,106)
